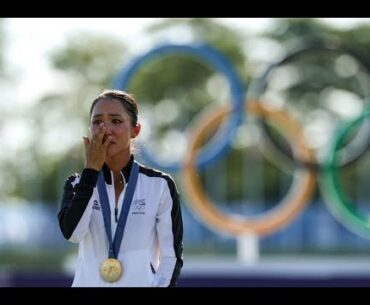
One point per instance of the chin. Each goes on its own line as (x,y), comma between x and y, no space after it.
(111,151)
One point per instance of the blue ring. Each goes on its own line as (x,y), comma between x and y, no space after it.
(220,144)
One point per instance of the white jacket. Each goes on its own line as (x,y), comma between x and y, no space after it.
(151,248)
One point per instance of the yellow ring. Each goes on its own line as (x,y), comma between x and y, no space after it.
(299,193)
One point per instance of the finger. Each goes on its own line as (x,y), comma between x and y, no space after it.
(95,131)
(100,134)
(107,141)
(94,137)
(86,141)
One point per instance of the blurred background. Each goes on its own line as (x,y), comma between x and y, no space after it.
(52,69)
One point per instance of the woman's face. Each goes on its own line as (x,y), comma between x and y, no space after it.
(117,121)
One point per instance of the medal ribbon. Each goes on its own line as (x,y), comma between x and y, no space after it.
(114,245)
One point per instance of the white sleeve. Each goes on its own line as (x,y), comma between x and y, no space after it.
(83,225)
(169,231)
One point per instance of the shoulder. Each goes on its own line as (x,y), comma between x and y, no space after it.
(155,173)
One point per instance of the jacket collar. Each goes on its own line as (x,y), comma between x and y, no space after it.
(125,171)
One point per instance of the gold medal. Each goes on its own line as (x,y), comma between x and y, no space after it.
(111,270)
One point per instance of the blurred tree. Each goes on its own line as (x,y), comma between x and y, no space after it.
(6,179)
(87,63)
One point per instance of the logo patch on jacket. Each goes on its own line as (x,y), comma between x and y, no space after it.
(138,206)
(96,205)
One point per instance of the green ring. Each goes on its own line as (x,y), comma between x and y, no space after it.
(336,200)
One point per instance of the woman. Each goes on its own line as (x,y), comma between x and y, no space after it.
(125,217)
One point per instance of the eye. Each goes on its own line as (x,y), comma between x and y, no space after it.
(96,122)
(116,121)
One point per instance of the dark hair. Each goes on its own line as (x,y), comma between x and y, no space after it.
(127,100)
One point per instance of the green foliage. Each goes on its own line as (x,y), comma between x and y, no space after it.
(93,59)
(292,33)
(88,63)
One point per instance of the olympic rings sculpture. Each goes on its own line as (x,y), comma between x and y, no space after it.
(304,177)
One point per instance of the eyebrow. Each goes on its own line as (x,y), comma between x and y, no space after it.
(109,114)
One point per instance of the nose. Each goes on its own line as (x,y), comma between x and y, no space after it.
(108,128)
(108,131)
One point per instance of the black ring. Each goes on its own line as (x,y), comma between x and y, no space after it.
(261,85)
